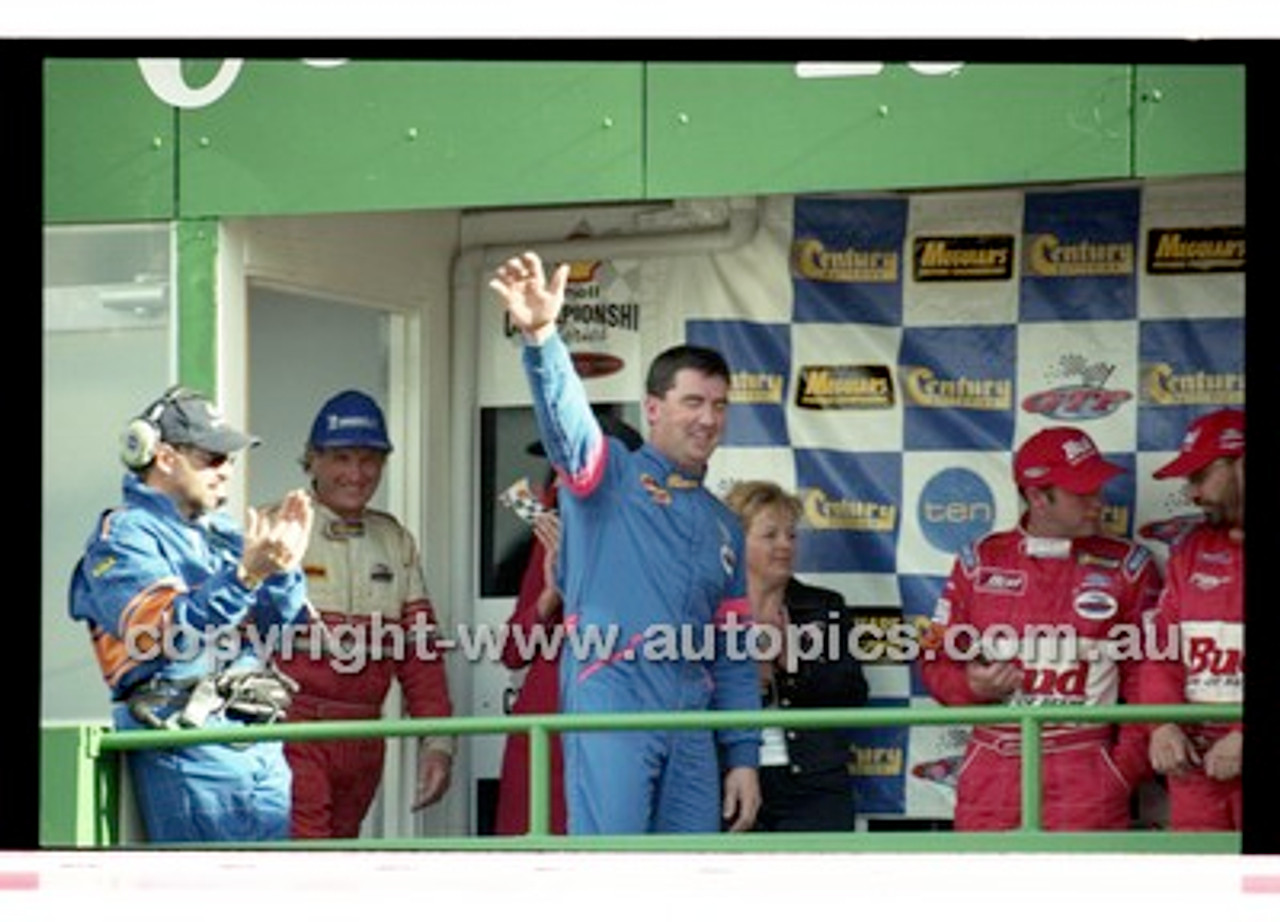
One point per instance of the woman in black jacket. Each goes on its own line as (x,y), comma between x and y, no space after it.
(804,778)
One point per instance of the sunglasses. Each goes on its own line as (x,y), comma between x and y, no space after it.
(202,458)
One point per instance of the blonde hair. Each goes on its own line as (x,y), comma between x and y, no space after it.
(748,498)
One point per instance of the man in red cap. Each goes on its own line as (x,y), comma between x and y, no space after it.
(1201,612)
(1029,616)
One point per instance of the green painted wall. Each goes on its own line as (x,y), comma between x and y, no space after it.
(285,137)
(723,130)
(109,145)
(370,136)
(1189,120)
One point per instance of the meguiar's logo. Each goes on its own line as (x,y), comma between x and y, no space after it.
(962,259)
(845,387)
(1190,250)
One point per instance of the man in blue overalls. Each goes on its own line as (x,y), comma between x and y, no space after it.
(652,565)
(179,602)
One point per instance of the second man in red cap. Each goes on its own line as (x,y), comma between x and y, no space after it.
(1028,616)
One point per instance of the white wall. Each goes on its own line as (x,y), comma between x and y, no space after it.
(107,354)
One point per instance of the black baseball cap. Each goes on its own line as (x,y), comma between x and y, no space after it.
(188,418)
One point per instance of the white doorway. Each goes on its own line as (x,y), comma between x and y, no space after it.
(327,303)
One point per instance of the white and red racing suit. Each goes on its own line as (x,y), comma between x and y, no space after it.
(1063,607)
(365,580)
(1201,615)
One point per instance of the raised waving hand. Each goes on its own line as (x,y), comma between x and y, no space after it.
(531,300)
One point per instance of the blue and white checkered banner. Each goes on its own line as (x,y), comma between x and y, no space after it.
(926,335)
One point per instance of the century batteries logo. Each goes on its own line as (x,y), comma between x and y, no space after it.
(1049,257)
(756,387)
(1087,397)
(844,387)
(810,259)
(962,259)
(1114,519)
(1164,385)
(924,387)
(1191,250)
(826,513)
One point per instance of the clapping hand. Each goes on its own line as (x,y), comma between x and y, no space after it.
(275,541)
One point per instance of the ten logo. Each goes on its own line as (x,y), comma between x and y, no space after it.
(956,506)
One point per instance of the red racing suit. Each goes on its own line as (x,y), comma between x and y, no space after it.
(539,694)
(1034,595)
(1201,615)
(365,580)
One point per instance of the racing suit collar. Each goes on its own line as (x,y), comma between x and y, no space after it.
(137,493)
(1038,546)
(333,525)
(673,474)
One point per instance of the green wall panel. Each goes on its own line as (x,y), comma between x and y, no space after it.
(198,304)
(1189,119)
(288,138)
(758,128)
(108,144)
(285,137)
(79,788)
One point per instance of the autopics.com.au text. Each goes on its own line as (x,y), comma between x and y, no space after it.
(350,646)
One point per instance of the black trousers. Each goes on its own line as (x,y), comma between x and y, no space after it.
(820,802)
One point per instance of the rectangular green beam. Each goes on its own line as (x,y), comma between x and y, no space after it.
(197,273)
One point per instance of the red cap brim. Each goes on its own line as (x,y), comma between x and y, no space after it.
(1089,478)
(1189,462)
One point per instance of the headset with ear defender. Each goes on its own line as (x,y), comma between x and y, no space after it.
(139,440)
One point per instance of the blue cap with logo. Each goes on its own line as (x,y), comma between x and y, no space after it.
(351,419)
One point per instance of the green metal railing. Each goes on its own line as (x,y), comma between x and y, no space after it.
(83,813)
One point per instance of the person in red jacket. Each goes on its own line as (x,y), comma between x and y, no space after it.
(1201,613)
(538,610)
(1051,577)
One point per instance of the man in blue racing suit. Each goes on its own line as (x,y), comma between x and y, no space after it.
(653,568)
(169,588)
